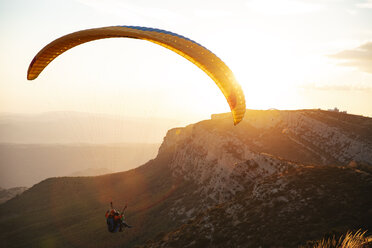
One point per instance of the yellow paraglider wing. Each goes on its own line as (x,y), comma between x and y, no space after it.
(194,52)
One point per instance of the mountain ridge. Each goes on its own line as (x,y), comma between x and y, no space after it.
(216,185)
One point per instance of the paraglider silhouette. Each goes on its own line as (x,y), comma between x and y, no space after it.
(213,66)
(115,219)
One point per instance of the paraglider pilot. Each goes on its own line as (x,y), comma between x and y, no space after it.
(115,219)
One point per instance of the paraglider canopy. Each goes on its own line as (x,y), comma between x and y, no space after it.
(189,49)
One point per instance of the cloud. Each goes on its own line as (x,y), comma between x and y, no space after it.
(209,13)
(284,7)
(135,13)
(336,87)
(360,57)
(365,5)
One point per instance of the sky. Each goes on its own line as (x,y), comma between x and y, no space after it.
(286,54)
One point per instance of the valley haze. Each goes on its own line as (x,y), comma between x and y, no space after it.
(37,146)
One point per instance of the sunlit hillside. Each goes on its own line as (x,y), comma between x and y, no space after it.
(215,185)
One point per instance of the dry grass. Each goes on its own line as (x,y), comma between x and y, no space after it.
(350,240)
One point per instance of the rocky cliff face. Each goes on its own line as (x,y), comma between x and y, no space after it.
(223,159)
(283,210)
(318,136)
(257,165)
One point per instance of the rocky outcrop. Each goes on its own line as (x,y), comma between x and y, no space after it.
(224,160)
(283,210)
(253,170)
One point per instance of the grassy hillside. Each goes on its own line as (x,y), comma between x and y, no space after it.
(69,212)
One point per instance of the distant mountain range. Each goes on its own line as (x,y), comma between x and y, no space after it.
(37,146)
(7,194)
(27,164)
(278,179)
(76,127)
(90,172)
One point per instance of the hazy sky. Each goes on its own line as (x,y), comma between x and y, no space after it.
(286,54)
